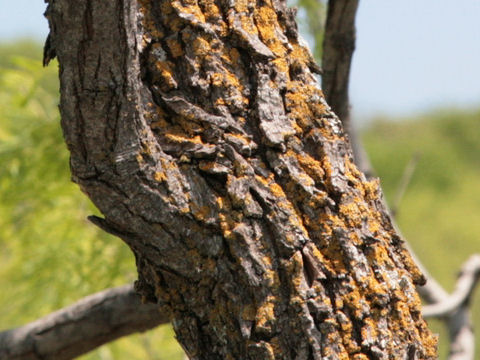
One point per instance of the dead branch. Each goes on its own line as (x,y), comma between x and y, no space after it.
(75,330)
(466,282)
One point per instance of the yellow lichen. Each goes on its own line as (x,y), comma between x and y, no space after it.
(201,213)
(304,108)
(160,176)
(267,23)
(265,313)
(311,166)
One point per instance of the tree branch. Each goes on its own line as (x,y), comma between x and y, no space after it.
(466,283)
(338,48)
(455,308)
(91,322)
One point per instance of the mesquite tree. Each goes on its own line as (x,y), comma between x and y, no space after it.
(198,128)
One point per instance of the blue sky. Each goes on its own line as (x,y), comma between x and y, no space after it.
(411,55)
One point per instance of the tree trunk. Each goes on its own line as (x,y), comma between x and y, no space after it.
(199,131)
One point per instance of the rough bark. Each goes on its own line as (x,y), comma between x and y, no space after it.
(200,132)
(81,327)
(339,46)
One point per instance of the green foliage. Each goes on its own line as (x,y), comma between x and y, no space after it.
(440,209)
(50,256)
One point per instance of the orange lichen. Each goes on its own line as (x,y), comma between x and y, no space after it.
(277,191)
(267,24)
(176,138)
(309,185)
(352,302)
(346,329)
(201,46)
(360,357)
(352,212)
(371,189)
(301,54)
(242,5)
(295,269)
(191,8)
(301,108)
(311,166)
(368,330)
(265,313)
(175,47)
(165,70)
(281,65)
(210,10)
(378,256)
(160,176)
(248,25)
(272,279)
(249,312)
(149,23)
(201,213)
(174,23)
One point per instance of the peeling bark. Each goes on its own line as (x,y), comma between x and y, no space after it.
(199,130)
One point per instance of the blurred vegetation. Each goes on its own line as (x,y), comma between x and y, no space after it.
(51,256)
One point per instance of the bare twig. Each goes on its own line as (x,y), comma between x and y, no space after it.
(404,182)
(455,309)
(465,285)
(462,339)
(81,327)
(338,47)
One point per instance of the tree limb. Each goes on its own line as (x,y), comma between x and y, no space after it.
(75,330)
(466,283)
(339,44)
(455,308)
(338,48)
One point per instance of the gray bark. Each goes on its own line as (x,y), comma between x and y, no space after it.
(81,327)
(338,48)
